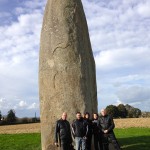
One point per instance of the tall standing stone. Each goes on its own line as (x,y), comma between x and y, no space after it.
(67,77)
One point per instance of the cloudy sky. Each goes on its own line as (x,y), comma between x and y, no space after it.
(120,37)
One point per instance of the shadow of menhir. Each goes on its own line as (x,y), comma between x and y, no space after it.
(111,147)
(135,143)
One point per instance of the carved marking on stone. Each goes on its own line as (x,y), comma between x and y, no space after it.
(61,46)
(54,80)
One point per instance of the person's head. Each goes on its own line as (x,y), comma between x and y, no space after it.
(78,115)
(86,115)
(103,112)
(64,116)
(95,116)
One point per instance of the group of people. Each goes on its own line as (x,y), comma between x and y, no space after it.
(83,128)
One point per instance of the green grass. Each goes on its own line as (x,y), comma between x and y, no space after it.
(20,141)
(134,138)
(129,139)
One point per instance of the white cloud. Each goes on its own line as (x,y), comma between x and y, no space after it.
(134,94)
(6,104)
(2,103)
(21,107)
(19,59)
(22,104)
(122,58)
(33,106)
(118,102)
(143,9)
(119,32)
(116,24)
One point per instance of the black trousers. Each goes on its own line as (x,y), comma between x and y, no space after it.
(110,138)
(88,142)
(65,146)
(98,142)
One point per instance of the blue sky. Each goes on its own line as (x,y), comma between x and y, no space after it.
(119,33)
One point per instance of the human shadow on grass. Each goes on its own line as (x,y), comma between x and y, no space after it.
(135,143)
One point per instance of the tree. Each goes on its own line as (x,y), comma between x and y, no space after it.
(133,112)
(137,112)
(113,111)
(11,117)
(122,111)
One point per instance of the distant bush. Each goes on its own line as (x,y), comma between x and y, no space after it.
(145,114)
(24,120)
(3,122)
(27,120)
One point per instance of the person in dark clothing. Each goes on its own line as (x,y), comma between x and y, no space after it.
(107,125)
(63,133)
(90,130)
(96,132)
(79,131)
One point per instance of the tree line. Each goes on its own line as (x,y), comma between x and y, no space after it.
(123,111)
(11,118)
(120,111)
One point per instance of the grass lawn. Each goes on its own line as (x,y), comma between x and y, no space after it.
(129,139)
(28,141)
(134,138)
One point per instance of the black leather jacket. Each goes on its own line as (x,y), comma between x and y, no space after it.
(62,131)
(106,123)
(90,127)
(79,128)
(96,126)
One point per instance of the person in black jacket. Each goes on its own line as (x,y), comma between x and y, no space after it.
(80,130)
(97,133)
(90,130)
(107,125)
(63,133)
